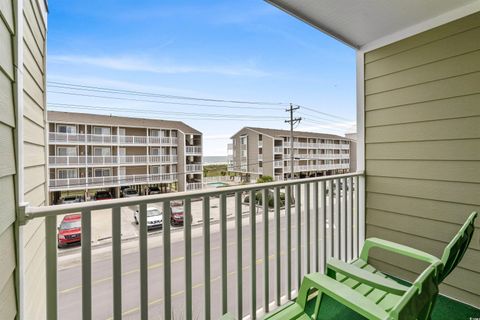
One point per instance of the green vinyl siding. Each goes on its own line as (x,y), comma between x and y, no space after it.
(34,136)
(422,147)
(8,309)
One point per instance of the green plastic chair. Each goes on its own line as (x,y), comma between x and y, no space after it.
(360,287)
(361,276)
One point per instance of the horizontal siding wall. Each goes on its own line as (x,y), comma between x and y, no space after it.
(34,125)
(8,308)
(422,148)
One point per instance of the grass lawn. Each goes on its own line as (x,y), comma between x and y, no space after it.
(214,170)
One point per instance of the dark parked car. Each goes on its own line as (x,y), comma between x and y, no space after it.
(70,230)
(103,195)
(176,218)
(154,190)
(129,192)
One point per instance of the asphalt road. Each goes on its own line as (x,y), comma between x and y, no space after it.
(69,281)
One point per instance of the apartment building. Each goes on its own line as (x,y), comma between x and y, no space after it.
(266,152)
(88,152)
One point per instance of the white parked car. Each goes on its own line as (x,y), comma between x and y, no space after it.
(154,218)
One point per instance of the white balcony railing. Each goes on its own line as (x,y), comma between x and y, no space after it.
(163,159)
(325,208)
(193,167)
(193,150)
(133,159)
(260,156)
(163,140)
(278,149)
(260,143)
(78,138)
(109,181)
(79,161)
(317,167)
(132,139)
(194,186)
(278,164)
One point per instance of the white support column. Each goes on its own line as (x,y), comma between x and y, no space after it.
(361,142)
(19,177)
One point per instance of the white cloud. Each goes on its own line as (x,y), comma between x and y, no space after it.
(144,64)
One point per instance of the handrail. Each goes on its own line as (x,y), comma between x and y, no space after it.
(44,211)
(338,231)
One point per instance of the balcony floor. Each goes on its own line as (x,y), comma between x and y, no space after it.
(445,309)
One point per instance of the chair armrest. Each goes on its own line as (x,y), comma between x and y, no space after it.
(396,248)
(343,294)
(366,277)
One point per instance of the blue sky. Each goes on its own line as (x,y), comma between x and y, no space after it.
(235,50)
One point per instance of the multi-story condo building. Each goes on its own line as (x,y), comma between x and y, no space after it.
(266,152)
(87,152)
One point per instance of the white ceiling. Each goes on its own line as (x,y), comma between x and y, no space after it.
(360,22)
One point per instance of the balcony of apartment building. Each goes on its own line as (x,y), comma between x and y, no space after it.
(193,164)
(278,146)
(418,140)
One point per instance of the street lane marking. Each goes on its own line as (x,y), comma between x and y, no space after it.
(152,266)
(196,286)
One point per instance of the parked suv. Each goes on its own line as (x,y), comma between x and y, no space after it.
(129,192)
(103,195)
(154,190)
(70,230)
(154,218)
(70,199)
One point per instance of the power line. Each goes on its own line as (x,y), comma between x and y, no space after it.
(159,102)
(210,115)
(132,92)
(324,113)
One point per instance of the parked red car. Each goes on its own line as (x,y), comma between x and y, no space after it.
(176,218)
(70,230)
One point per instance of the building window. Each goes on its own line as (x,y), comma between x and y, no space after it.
(65,128)
(101,172)
(104,131)
(66,151)
(260,137)
(67,173)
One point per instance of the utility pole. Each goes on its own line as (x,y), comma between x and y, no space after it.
(292,121)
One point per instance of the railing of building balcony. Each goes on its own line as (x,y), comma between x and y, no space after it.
(194,186)
(193,150)
(77,138)
(76,161)
(305,145)
(109,181)
(318,167)
(163,140)
(278,164)
(230,146)
(132,139)
(278,149)
(260,143)
(193,167)
(321,217)
(163,159)
(260,156)
(322,155)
